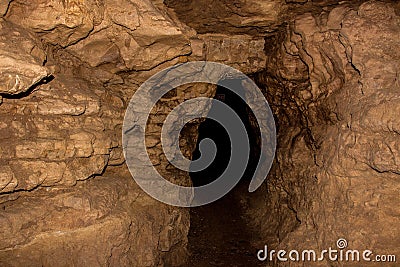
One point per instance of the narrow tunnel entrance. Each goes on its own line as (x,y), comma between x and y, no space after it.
(219,234)
(213,130)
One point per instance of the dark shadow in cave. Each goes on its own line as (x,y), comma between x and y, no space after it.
(213,130)
(219,235)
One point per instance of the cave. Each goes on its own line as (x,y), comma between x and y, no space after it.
(212,129)
(86,84)
(218,235)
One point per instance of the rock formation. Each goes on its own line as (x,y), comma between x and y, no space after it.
(330,71)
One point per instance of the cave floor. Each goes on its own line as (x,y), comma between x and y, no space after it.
(219,235)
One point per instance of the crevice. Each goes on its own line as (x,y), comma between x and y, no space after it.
(31,89)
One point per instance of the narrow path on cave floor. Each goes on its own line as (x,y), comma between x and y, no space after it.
(219,236)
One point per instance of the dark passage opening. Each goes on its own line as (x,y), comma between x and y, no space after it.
(215,131)
(219,234)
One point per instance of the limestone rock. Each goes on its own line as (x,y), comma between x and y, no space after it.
(62,132)
(4,7)
(329,70)
(373,52)
(56,21)
(133,36)
(21,60)
(251,17)
(237,17)
(242,52)
(105,221)
(53,136)
(338,156)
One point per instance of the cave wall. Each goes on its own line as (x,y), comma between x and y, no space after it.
(69,69)
(332,81)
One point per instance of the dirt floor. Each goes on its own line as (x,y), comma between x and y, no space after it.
(219,235)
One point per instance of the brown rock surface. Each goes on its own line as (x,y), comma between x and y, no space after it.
(255,17)
(21,60)
(53,136)
(68,129)
(104,222)
(56,21)
(336,168)
(68,69)
(132,36)
(249,17)
(4,7)
(242,52)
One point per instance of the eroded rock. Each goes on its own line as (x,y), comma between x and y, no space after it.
(4,7)
(21,60)
(58,22)
(107,221)
(241,52)
(328,69)
(54,136)
(238,17)
(338,155)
